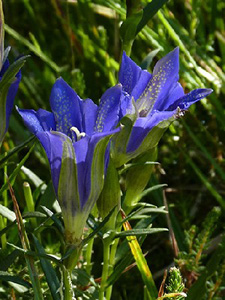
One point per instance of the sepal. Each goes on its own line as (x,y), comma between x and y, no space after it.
(68,194)
(110,195)
(137,178)
(121,139)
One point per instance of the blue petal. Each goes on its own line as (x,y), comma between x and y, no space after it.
(141,84)
(89,115)
(126,106)
(46,119)
(52,142)
(143,126)
(65,105)
(11,96)
(187,100)
(31,120)
(173,95)
(37,121)
(129,73)
(165,76)
(84,150)
(108,110)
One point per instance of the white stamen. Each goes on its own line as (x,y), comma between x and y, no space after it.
(79,134)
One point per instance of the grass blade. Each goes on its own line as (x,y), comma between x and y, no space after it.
(141,262)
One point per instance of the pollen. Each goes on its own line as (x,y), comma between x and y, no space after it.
(62,112)
(104,109)
(153,89)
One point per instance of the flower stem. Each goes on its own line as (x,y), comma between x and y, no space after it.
(111,265)
(68,289)
(127,47)
(3,237)
(106,255)
(30,202)
(88,256)
(71,261)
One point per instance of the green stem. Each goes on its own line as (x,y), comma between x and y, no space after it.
(89,251)
(26,246)
(67,282)
(3,237)
(5,194)
(127,47)
(29,201)
(111,265)
(106,255)
(34,278)
(71,262)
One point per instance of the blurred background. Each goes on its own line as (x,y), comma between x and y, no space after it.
(80,41)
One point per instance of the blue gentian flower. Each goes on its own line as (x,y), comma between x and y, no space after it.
(75,136)
(150,103)
(8,92)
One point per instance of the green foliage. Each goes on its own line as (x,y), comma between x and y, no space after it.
(175,283)
(190,262)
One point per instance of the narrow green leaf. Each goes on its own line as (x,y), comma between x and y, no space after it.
(54,219)
(178,230)
(6,228)
(34,49)
(148,59)
(128,30)
(137,232)
(151,189)
(32,254)
(6,53)
(25,216)
(99,227)
(83,278)
(15,150)
(16,171)
(13,69)
(141,262)
(7,79)
(26,246)
(50,274)
(148,12)
(13,278)
(123,256)
(34,214)
(48,198)
(7,261)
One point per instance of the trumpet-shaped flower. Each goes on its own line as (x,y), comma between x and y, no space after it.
(150,103)
(75,136)
(9,83)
